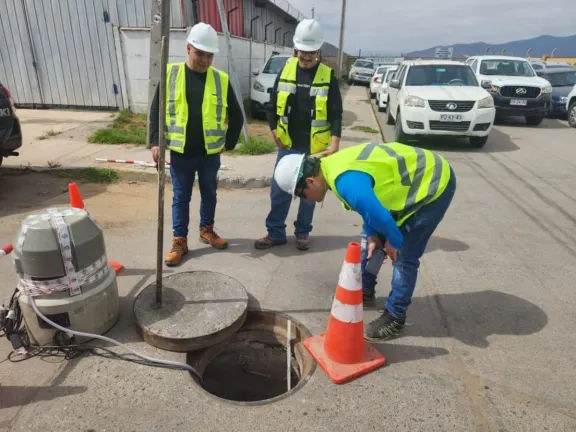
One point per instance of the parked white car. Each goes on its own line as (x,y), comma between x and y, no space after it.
(263,82)
(571,107)
(439,97)
(376,80)
(382,95)
(361,72)
(516,88)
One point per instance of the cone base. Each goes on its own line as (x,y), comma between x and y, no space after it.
(338,372)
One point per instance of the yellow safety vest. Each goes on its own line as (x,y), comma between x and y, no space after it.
(320,135)
(405,178)
(214,109)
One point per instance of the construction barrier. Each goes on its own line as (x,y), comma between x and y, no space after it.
(342,351)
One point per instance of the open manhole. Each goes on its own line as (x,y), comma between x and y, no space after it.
(251,367)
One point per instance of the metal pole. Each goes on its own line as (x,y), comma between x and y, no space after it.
(164,48)
(341,44)
(312,13)
(234,76)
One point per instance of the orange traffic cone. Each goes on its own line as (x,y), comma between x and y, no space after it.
(76,201)
(75,197)
(342,351)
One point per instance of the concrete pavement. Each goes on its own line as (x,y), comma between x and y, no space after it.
(70,149)
(490,345)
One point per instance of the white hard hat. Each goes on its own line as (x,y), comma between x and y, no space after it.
(203,37)
(288,172)
(308,36)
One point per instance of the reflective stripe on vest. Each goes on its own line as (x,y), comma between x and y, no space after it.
(320,134)
(214,112)
(425,176)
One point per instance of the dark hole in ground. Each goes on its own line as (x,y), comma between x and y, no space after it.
(251,369)
(251,366)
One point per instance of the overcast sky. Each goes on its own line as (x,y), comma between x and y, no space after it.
(407,25)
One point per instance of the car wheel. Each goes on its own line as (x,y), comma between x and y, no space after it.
(399,135)
(572,115)
(534,120)
(478,142)
(372,95)
(381,109)
(350,82)
(389,118)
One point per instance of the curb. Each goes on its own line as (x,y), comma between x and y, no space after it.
(375,117)
(134,176)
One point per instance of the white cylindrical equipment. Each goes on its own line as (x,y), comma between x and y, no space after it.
(60,258)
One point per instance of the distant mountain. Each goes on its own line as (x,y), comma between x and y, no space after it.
(541,45)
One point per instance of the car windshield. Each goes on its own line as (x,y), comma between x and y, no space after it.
(441,75)
(364,64)
(275,65)
(562,79)
(506,68)
(381,70)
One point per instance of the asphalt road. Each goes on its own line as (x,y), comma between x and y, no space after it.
(490,344)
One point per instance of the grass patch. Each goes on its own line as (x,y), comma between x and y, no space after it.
(127,128)
(89,175)
(49,134)
(256,146)
(365,129)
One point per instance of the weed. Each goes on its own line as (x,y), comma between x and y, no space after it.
(365,129)
(256,146)
(127,128)
(53,165)
(89,175)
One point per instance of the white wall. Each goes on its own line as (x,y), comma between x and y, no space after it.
(136,56)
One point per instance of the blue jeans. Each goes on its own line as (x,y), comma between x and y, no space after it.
(417,230)
(280,203)
(183,172)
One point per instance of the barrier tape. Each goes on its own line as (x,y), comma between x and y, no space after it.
(72,280)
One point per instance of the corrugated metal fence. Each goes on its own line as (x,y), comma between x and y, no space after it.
(59,53)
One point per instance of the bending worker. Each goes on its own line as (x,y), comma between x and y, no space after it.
(305,116)
(203,119)
(402,194)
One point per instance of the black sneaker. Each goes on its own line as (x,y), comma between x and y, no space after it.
(384,327)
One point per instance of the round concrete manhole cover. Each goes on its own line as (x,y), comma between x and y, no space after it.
(199,309)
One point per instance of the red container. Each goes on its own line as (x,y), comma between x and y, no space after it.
(209,14)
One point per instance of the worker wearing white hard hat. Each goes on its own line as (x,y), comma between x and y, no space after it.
(305,117)
(203,119)
(402,193)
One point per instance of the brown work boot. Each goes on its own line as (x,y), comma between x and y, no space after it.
(267,242)
(209,236)
(179,249)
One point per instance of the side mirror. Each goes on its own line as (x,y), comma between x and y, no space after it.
(255,71)
(394,83)
(486,84)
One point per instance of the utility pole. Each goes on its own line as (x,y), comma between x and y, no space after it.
(312,13)
(341,44)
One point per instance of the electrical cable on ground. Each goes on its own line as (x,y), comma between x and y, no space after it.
(12,328)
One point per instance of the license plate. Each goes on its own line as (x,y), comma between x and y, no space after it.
(518,102)
(450,117)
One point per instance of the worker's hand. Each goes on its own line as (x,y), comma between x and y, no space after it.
(373,244)
(279,144)
(391,251)
(155,153)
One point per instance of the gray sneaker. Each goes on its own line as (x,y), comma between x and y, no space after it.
(303,242)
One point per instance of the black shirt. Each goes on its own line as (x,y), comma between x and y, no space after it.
(300,117)
(195,145)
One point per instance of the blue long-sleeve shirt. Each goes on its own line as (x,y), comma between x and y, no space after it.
(356,188)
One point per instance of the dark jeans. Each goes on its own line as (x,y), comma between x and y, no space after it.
(417,230)
(183,172)
(280,202)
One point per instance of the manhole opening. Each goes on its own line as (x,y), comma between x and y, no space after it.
(251,366)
